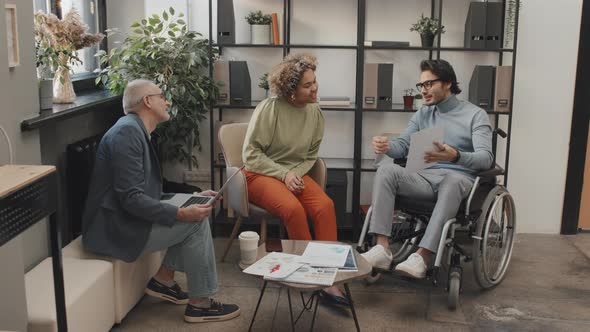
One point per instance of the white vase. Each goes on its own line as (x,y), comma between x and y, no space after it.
(259,34)
(63,92)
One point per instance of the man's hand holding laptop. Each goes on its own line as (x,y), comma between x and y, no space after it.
(197,212)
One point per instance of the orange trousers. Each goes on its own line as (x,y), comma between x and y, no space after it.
(293,209)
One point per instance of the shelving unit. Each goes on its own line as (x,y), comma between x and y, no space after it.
(357,165)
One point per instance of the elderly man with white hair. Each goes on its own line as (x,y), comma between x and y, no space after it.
(124,217)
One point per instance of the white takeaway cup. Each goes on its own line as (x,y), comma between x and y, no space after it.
(248,247)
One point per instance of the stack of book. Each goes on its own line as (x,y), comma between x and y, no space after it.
(334,101)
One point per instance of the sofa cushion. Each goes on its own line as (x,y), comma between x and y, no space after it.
(130,278)
(89,294)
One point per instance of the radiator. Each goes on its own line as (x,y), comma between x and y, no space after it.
(79,163)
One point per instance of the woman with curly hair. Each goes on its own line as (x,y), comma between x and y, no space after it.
(281,146)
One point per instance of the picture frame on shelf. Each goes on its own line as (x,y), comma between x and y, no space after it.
(12,35)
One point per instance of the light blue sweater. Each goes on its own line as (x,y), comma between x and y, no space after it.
(466,128)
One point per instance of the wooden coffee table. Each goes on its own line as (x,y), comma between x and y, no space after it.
(296,247)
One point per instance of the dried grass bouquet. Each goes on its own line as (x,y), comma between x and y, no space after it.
(58,40)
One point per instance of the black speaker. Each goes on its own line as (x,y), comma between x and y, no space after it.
(481,86)
(240,90)
(226,22)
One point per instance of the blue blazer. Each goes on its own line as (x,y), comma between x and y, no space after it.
(124,195)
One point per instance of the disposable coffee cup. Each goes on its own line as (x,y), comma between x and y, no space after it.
(248,247)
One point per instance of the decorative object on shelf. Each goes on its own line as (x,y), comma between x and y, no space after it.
(428,28)
(510,19)
(58,40)
(263,84)
(162,49)
(259,27)
(409,98)
(418,100)
(12,35)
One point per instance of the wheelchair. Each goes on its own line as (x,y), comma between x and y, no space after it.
(487,216)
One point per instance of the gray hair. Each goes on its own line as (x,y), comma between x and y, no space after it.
(133,93)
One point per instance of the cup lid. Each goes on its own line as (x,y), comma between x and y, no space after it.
(249,235)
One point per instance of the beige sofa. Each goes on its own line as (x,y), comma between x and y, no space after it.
(100,291)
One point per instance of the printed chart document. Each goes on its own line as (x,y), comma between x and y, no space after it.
(420,143)
(306,274)
(350,265)
(325,254)
(275,262)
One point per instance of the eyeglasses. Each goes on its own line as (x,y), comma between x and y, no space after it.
(426,84)
(150,95)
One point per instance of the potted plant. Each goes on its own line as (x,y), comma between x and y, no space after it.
(428,28)
(162,49)
(259,27)
(409,98)
(58,40)
(418,100)
(263,83)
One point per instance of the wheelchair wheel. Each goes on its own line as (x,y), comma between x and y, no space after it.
(454,289)
(494,238)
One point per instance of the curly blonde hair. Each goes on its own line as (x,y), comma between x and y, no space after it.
(285,76)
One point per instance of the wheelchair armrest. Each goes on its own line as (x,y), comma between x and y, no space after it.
(492,172)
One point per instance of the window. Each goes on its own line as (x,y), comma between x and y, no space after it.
(92,14)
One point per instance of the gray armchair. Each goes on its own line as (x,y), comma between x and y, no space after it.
(231,138)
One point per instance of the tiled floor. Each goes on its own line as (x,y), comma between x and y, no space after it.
(547,288)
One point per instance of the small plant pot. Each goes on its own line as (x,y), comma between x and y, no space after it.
(260,34)
(409,102)
(427,40)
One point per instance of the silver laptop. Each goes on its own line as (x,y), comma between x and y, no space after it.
(184,200)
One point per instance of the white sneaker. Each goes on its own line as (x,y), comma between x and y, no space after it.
(379,257)
(413,267)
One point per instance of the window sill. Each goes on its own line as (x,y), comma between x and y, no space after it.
(86,101)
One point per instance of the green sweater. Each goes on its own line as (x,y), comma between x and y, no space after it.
(283,138)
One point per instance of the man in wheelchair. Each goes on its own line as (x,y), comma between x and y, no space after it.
(467,149)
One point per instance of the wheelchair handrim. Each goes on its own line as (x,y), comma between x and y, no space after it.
(505,229)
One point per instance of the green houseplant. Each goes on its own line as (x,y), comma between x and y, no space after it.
(259,27)
(427,28)
(161,49)
(263,83)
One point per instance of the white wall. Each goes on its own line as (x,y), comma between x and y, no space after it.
(545,74)
(19,96)
(544,88)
